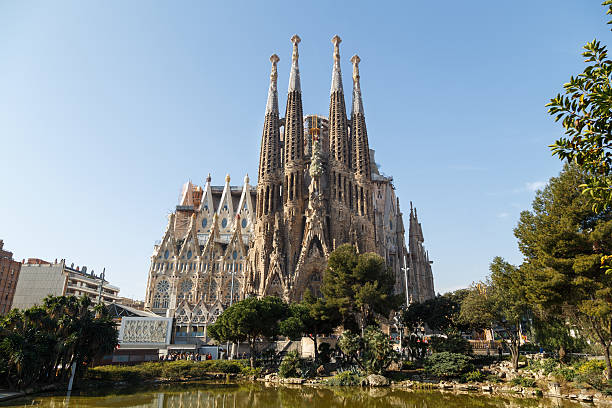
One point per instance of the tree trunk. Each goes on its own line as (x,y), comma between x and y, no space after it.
(607,358)
(514,351)
(251,348)
(316,348)
(562,353)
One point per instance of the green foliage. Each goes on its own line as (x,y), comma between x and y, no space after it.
(248,320)
(311,317)
(547,365)
(474,376)
(500,301)
(359,286)
(585,110)
(453,343)
(592,372)
(378,353)
(349,343)
(325,353)
(408,365)
(375,349)
(448,365)
(251,372)
(171,370)
(440,313)
(39,345)
(345,378)
(525,382)
(563,242)
(291,366)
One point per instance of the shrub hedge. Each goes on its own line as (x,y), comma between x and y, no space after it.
(171,370)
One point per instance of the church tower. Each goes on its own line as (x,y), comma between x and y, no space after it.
(340,177)
(360,165)
(269,190)
(294,165)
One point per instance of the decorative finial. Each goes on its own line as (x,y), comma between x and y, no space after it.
(272,104)
(208,178)
(355,60)
(295,40)
(294,75)
(246,179)
(227,178)
(336,41)
(274,60)
(336,85)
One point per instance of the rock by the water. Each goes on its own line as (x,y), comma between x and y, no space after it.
(375,380)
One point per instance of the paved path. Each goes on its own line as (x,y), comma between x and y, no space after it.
(7,395)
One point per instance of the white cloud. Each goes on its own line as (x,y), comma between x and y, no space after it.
(535,185)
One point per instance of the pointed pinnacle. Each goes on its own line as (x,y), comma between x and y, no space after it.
(336,41)
(295,40)
(274,60)
(355,60)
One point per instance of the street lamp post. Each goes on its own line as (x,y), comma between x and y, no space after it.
(230,355)
(101,285)
(405,269)
(400,327)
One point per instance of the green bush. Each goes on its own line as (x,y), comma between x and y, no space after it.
(547,365)
(592,372)
(172,370)
(473,376)
(248,371)
(291,366)
(324,353)
(567,373)
(408,365)
(448,365)
(523,382)
(453,343)
(345,378)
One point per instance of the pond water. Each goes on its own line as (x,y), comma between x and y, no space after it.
(267,396)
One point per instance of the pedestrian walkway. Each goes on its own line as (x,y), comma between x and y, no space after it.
(7,395)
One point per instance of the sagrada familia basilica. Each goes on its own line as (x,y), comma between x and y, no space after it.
(318,187)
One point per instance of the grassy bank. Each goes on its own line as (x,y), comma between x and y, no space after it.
(167,370)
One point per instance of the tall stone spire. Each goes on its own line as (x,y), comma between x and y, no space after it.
(272,105)
(360,155)
(294,76)
(294,118)
(269,159)
(338,126)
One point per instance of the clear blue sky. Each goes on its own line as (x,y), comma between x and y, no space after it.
(106,108)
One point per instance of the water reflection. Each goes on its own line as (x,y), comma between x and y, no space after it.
(265,396)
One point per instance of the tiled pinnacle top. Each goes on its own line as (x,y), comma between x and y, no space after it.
(272,105)
(357,101)
(294,76)
(336,84)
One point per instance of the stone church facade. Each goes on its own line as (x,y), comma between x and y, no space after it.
(318,187)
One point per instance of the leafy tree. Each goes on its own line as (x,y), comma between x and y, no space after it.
(440,313)
(563,242)
(499,302)
(373,353)
(350,344)
(312,317)
(248,320)
(453,343)
(448,365)
(586,114)
(359,286)
(291,366)
(40,344)
(553,332)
